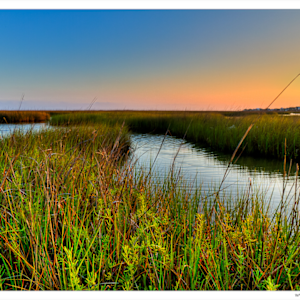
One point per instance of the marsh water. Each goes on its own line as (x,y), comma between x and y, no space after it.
(200,167)
(9,128)
(203,168)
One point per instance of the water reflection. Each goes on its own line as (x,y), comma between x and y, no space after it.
(9,128)
(206,167)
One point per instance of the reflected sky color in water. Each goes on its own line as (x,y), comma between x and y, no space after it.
(9,128)
(207,168)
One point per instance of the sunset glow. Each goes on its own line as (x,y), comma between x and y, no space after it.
(155,59)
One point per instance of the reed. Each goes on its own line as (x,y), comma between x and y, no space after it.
(76,217)
(219,132)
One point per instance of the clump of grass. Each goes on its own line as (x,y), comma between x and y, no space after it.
(23,116)
(80,219)
(83,140)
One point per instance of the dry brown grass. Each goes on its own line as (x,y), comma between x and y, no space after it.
(23,116)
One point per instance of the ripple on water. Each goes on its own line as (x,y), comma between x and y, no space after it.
(207,168)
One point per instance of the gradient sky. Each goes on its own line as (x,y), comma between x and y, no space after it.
(152,59)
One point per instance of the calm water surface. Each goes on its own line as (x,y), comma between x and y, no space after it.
(200,166)
(9,128)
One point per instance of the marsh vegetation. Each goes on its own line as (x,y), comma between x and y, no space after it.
(75,215)
(271,136)
(23,116)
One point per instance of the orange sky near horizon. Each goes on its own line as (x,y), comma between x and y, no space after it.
(170,60)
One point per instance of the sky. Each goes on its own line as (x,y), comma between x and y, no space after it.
(149,59)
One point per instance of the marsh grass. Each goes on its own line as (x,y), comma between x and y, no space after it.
(219,132)
(77,217)
(23,116)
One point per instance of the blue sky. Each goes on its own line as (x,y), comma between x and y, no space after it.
(151,59)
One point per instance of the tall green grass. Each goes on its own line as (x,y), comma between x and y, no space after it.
(75,217)
(23,116)
(266,138)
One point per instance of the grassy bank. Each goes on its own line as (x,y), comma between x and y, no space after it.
(74,218)
(220,132)
(23,116)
